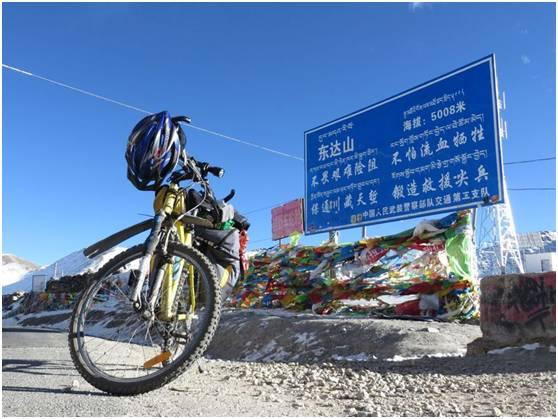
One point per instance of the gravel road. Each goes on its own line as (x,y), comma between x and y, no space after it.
(39,380)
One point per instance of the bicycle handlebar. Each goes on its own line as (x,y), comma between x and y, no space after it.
(192,169)
(203,168)
(215,171)
(185,119)
(229,196)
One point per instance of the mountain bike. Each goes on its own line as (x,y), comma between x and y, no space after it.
(152,310)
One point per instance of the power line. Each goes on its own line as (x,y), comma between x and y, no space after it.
(116,102)
(261,147)
(208,131)
(530,161)
(85,92)
(261,240)
(227,137)
(531,189)
(261,209)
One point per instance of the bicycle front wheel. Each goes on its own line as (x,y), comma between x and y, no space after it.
(118,350)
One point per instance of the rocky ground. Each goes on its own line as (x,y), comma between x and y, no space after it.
(280,335)
(276,363)
(518,384)
(39,380)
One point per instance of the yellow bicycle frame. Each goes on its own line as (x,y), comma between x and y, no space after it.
(171,200)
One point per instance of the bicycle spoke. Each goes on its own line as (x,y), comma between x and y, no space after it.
(109,338)
(122,292)
(116,343)
(130,341)
(150,339)
(106,352)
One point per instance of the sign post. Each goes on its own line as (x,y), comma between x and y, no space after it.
(287,219)
(38,283)
(334,237)
(432,149)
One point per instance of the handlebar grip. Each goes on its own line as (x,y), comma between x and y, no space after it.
(229,196)
(216,171)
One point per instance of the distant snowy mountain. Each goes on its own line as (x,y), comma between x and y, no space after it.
(537,242)
(16,276)
(14,268)
(8,259)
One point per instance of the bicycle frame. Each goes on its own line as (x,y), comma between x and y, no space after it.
(170,219)
(174,201)
(174,252)
(169,202)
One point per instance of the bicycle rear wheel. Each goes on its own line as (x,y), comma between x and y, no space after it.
(118,351)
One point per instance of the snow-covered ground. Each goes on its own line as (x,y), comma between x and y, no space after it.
(17,321)
(12,273)
(16,277)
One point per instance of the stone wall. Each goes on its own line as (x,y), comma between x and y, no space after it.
(519,308)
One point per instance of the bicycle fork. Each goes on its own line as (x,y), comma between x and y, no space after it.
(145,268)
(167,277)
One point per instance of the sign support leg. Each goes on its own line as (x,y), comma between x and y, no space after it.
(334,240)
(334,237)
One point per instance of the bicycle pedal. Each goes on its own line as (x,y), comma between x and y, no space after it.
(158,359)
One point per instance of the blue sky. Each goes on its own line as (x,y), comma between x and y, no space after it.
(261,72)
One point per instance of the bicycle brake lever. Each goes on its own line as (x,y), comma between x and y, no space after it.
(229,196)
(185,119)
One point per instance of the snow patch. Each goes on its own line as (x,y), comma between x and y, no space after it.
(257,355)
(361,357)
(399,358)
(279,312)
(305,338)
(12,272)
(532,346)
(15,321)
(527,347)
(397,299)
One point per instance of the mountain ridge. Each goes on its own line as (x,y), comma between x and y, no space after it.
(8,258)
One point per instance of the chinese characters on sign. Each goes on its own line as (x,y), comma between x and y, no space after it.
(287,219)
(432,149)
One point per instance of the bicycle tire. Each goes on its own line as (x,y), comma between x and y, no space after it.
(185,360)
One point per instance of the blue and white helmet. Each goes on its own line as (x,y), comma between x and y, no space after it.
(153,150)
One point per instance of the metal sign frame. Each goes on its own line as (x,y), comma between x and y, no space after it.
(497,139)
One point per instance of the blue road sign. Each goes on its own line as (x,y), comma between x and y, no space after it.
(434,148)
